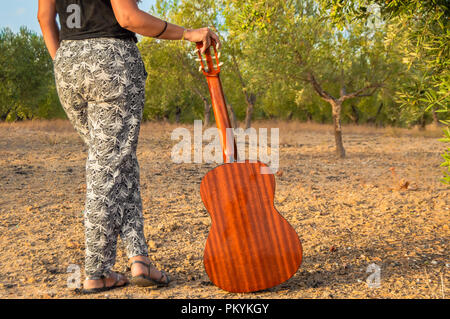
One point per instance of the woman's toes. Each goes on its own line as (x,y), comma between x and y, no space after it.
(112,279)
(119,279)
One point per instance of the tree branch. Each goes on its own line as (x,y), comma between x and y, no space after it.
(322,93)
(361,92)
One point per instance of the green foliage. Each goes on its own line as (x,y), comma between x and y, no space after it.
(269,48)
(296,40)
(173,71)
(262,41)
(167,91)
(421,29)
(27,88)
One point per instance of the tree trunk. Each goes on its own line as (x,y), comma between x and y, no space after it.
(177,115)
(435,117)
(290,116)
(422,123)
(309,116)
(374,119)
(207,112)
(377,122)
(249,112)
(355,114)
(232,115)
(248,116)
(336,105)
(336,108)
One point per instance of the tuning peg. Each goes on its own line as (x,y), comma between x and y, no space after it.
(198,60)
(196,50)
(220,64)
(200,69)
(217,46)
(218,55)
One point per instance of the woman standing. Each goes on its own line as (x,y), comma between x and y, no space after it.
(100,78)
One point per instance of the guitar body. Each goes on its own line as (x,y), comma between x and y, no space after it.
(250,246)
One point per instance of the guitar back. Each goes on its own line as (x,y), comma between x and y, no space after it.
(250,246)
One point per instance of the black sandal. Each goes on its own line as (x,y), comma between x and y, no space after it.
(119,277)
(146,281)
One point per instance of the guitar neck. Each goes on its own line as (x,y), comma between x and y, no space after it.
(222,119)
(219,107)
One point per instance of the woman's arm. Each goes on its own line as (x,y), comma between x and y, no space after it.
(47,20)
(132,18)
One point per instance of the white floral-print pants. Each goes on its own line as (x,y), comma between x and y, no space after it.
(100,83)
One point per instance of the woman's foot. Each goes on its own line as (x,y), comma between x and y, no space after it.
(112,281)
(140,268)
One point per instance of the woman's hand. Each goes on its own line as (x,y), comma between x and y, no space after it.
(204,35)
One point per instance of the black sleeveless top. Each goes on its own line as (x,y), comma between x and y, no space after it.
(84,19)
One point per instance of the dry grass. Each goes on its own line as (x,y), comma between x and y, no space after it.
(63,126)
(382,204)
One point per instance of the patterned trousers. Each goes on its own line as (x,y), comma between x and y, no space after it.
(100,83)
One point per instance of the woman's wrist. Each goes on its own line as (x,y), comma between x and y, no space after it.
(186,34)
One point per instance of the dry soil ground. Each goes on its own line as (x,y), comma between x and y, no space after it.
(383,204)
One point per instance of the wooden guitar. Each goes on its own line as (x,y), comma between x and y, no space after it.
(250,246)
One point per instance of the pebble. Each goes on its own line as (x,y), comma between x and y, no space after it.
(152,244)
(8,286)
(206,222)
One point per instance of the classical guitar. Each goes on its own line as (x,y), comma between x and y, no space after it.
(250,246)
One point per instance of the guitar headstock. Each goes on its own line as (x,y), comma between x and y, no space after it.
(208,68)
